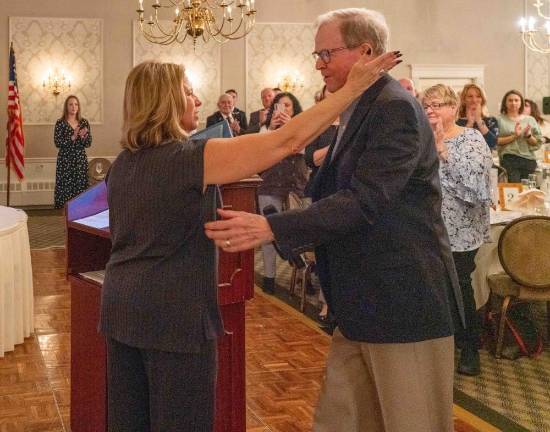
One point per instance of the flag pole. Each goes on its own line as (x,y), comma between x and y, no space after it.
(8,161)
(9,169)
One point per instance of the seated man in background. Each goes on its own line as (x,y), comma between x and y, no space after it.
(238,114)
(258,118)
(225,107)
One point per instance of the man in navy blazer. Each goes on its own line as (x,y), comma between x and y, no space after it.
(383,254)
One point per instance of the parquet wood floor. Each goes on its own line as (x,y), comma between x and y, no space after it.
(285,357)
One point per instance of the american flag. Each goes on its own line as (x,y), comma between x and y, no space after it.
(15,142)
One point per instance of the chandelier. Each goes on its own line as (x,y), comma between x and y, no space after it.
(537,37)
(56,83)
(221,20)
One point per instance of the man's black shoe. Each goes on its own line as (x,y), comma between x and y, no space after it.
(469,363)
(268,286)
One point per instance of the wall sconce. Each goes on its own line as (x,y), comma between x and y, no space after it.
(290,82)
(56,83)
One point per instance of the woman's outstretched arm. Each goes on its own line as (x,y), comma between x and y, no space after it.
(231,159)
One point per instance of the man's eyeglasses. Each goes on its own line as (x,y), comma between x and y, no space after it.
(434,106)
(325,54)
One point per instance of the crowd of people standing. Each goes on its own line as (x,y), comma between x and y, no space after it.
(400,198)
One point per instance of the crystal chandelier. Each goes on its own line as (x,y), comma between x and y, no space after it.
(537,37)
(56,83)
(221,20)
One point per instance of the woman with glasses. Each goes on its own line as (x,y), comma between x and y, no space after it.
(473,114)
(519,138)
(465,163)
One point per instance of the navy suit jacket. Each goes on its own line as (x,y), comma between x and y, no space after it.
(239,115)
(383,253)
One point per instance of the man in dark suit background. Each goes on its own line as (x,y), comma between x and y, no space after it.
(383,254)
(258,118)
(238,113)
(236,121)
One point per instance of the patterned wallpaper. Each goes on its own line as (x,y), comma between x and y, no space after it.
(202,65)
(274,49)
(538,76)
(72,45)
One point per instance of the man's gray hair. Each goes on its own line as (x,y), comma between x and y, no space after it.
(359,25)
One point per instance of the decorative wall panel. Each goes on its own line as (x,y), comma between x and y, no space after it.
(537,76)
(202,65)
(70,45)
(274,49)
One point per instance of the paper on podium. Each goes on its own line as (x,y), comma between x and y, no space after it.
(96,276)
(99,220)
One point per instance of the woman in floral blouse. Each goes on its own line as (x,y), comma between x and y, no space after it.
(465,163)
(71,136)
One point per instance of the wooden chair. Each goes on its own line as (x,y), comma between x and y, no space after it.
(524,253)
(300,273)
(97,170)
(502,173)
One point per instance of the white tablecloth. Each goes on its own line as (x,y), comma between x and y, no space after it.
(487,263)
(16,289)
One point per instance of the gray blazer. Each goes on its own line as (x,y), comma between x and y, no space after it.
(383,253)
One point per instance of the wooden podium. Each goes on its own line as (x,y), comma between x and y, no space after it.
(88,248)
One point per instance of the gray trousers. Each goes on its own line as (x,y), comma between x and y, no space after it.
(159,391)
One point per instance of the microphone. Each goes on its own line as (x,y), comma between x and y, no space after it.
(293,258)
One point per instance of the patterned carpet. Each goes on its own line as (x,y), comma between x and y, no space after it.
(513,396)
(46,228)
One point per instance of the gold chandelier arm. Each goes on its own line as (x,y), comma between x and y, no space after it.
(541,14)
(530,41)
(148,33)
(219,4)
(248,23)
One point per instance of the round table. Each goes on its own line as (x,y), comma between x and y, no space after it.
(16,287)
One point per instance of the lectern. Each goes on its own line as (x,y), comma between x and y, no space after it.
(88,248)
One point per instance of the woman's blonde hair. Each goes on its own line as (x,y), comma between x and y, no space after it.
(154,104)
(443,92)
(464,92)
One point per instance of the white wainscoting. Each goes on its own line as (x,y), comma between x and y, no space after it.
(38,186)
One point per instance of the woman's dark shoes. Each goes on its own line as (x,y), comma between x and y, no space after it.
(268,286)
(469,363)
